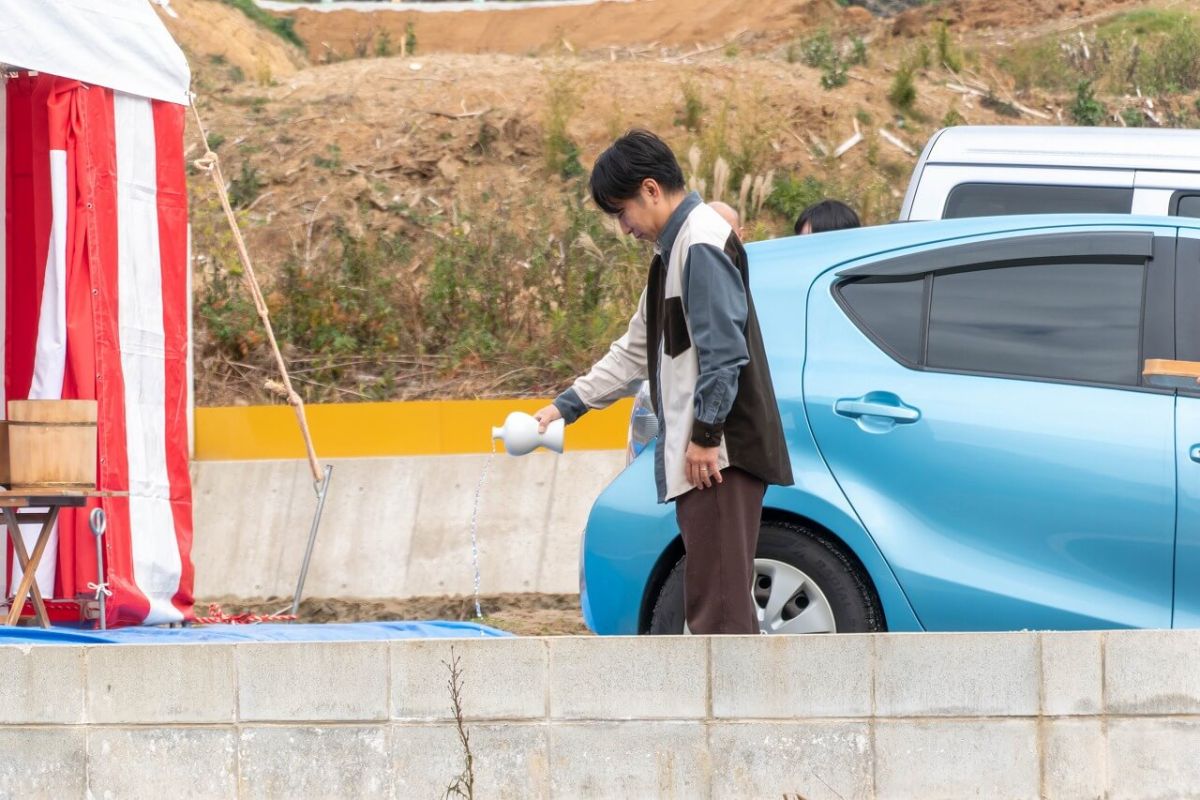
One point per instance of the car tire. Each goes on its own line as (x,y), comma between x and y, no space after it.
(830,581)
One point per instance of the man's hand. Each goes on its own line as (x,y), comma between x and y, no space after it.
(701,465)
(547,415)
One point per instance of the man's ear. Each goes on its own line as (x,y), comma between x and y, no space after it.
(652,189)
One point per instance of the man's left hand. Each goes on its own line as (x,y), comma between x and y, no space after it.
(700,464)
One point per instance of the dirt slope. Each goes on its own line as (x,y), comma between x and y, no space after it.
(214,34)
(676,23)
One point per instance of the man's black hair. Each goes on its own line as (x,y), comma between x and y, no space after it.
(827,215)
(620,170)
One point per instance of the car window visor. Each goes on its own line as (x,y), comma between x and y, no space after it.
(1132,247)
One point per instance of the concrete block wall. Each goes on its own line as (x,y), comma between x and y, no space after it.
(396,527)
(1013,715)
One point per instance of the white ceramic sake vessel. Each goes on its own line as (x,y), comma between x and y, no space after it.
(520,434)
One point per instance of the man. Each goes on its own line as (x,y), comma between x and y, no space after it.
(695,335)
(827,215)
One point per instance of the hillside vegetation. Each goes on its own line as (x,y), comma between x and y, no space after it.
(415,199)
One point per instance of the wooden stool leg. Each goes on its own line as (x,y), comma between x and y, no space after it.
(28,584)
(13,524)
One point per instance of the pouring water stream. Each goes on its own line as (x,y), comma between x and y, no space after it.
(520,435)
(475,525)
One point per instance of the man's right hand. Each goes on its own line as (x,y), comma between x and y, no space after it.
(546,415)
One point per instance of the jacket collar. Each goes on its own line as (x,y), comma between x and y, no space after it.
(666,239)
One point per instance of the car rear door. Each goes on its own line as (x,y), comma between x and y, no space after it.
(1187,443)
(982,406)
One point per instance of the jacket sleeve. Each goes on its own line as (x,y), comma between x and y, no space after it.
(616,375)
(714,300)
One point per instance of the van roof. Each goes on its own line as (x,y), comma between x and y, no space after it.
(1047,146)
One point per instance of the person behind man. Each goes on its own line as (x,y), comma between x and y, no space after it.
(730,215)
(827,215)
(695,335)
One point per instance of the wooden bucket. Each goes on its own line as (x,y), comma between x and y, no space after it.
(52,444)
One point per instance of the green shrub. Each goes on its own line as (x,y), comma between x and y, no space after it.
(227,317)
(410,39)
(1172,63)
(818,50)
(1087,110)
(283,27)
(1149,50)
(832,58)
(1133,117)
(550,298)
(246,187)
(692,113)
(347,307)
(952,118)
(903,91)
(948,55)
(834,75)
(792,195)
(858,51)
(561,151)
(383,44)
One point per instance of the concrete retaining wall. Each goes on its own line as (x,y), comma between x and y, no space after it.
(396,527)
(1020,715)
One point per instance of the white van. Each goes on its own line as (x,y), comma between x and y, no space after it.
(975,171)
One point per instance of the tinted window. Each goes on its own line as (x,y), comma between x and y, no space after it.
(889,310)
(996,199)
(1187,205)
(1068,321)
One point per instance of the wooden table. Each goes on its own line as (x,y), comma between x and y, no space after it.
(53,500)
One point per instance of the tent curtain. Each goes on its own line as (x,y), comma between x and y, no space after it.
(95,278)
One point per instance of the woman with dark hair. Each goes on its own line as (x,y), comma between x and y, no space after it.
(827,215)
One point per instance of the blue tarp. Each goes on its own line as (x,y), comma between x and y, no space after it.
(263,632)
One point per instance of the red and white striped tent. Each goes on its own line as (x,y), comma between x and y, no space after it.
(94,270)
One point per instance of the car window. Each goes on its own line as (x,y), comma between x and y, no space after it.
(1077,322)
(996,199)
(1186,205)
(889,311)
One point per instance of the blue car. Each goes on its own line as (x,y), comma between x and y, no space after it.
(994,424)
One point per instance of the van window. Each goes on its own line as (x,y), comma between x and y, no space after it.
(996,199)
(1077,322)
(1185,205)
(889,311)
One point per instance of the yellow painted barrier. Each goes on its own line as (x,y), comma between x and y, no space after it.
(350,430)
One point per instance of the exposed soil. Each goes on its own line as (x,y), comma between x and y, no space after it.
(525,614)
(215,35)
(673,23)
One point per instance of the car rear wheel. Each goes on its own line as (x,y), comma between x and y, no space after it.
(803,583)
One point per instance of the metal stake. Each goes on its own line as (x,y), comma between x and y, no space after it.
(98,521)
(322,489)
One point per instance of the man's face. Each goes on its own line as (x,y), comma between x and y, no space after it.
(639,215)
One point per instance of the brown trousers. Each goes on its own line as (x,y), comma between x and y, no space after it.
(720,533)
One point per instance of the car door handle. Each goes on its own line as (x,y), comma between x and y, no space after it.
(877,404)
(1194,452)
